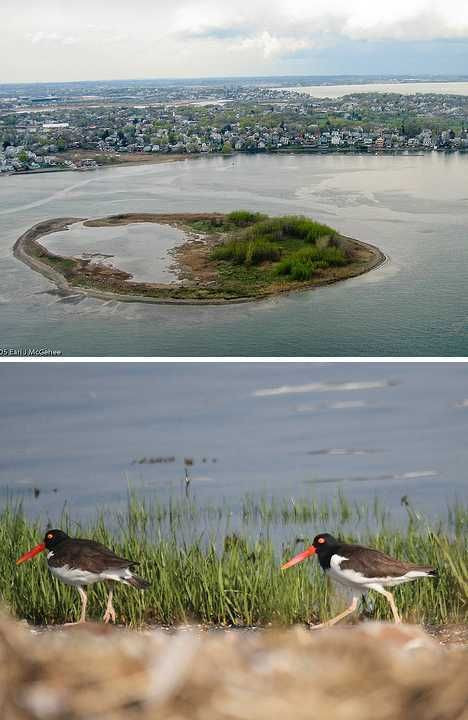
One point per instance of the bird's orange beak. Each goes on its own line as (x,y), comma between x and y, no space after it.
(30,554)
(299,558)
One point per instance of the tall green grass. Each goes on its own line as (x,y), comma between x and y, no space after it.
(235,220)
(251,252)
(304,263)
(282,228)
(260,238)
(234,578)
(243,218)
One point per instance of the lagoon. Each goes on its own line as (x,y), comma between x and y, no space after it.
(140,249)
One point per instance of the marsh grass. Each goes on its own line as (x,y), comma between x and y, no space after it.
(304,263)
(233,578)
(234,220)
(293,239)
(247,253)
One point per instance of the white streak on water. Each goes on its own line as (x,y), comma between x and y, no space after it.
(48,199)
(416,474)
(343,405)
(321,387)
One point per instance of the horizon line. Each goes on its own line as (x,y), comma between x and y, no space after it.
(456,77)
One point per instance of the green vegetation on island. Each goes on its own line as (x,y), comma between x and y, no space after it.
(303,246)
(241,255)
(201,570)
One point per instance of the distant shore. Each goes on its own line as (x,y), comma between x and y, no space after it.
(74,276)
(108,161)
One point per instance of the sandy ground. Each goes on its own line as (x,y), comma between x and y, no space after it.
(373,671)
(114,159)
(454,635)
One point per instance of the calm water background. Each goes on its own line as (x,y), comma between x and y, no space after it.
(287,431)
(439,88)
(413,207)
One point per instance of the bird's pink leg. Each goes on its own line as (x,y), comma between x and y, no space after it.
(391,601)
(339,617)
(110,612)
(84,602)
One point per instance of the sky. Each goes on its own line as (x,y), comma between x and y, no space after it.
(66,40)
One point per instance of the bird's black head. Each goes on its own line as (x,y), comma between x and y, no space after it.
(324,542)
(324,546)
(53,538)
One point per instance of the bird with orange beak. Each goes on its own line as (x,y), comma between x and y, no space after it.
(80,562)
(360,569)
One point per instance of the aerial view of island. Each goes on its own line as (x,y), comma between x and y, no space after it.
(227,182)
(266,193)
(206,258)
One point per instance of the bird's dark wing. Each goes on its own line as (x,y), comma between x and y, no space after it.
(373,563)
(90,554)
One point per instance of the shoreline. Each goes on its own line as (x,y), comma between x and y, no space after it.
(374,672)
(448,634)
(148,159)
(145,159)
(27,249)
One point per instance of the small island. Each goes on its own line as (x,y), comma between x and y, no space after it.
(222,258)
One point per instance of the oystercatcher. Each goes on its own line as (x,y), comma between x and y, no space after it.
(360,569)
(84,562)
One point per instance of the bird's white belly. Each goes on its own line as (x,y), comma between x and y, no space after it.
(75,576)
(347,577)
(356,580)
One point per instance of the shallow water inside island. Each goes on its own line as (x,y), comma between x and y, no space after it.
(141,249)
(415,208)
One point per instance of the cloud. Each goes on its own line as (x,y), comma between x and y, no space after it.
(273,45)
(206,37)
(212,32)
(304,23)
(425,25)
(41,37)
(207,22)
(271,33)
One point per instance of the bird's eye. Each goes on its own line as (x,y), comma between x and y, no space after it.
(321,541)
(50,536)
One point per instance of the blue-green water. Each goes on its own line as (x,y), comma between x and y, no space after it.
(77,431)
(415,208)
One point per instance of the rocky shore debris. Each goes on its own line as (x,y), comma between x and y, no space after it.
(374,671)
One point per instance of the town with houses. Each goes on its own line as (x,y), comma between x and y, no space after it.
(82,128)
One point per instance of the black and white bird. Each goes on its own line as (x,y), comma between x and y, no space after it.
(80,562)
(360,569)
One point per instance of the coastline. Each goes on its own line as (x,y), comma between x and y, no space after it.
(124,161)
(156,159)
(27,249)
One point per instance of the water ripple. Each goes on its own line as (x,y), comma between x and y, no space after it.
(323,387)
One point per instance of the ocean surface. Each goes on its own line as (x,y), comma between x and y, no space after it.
(79,435)
(404,88)
(414,207)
